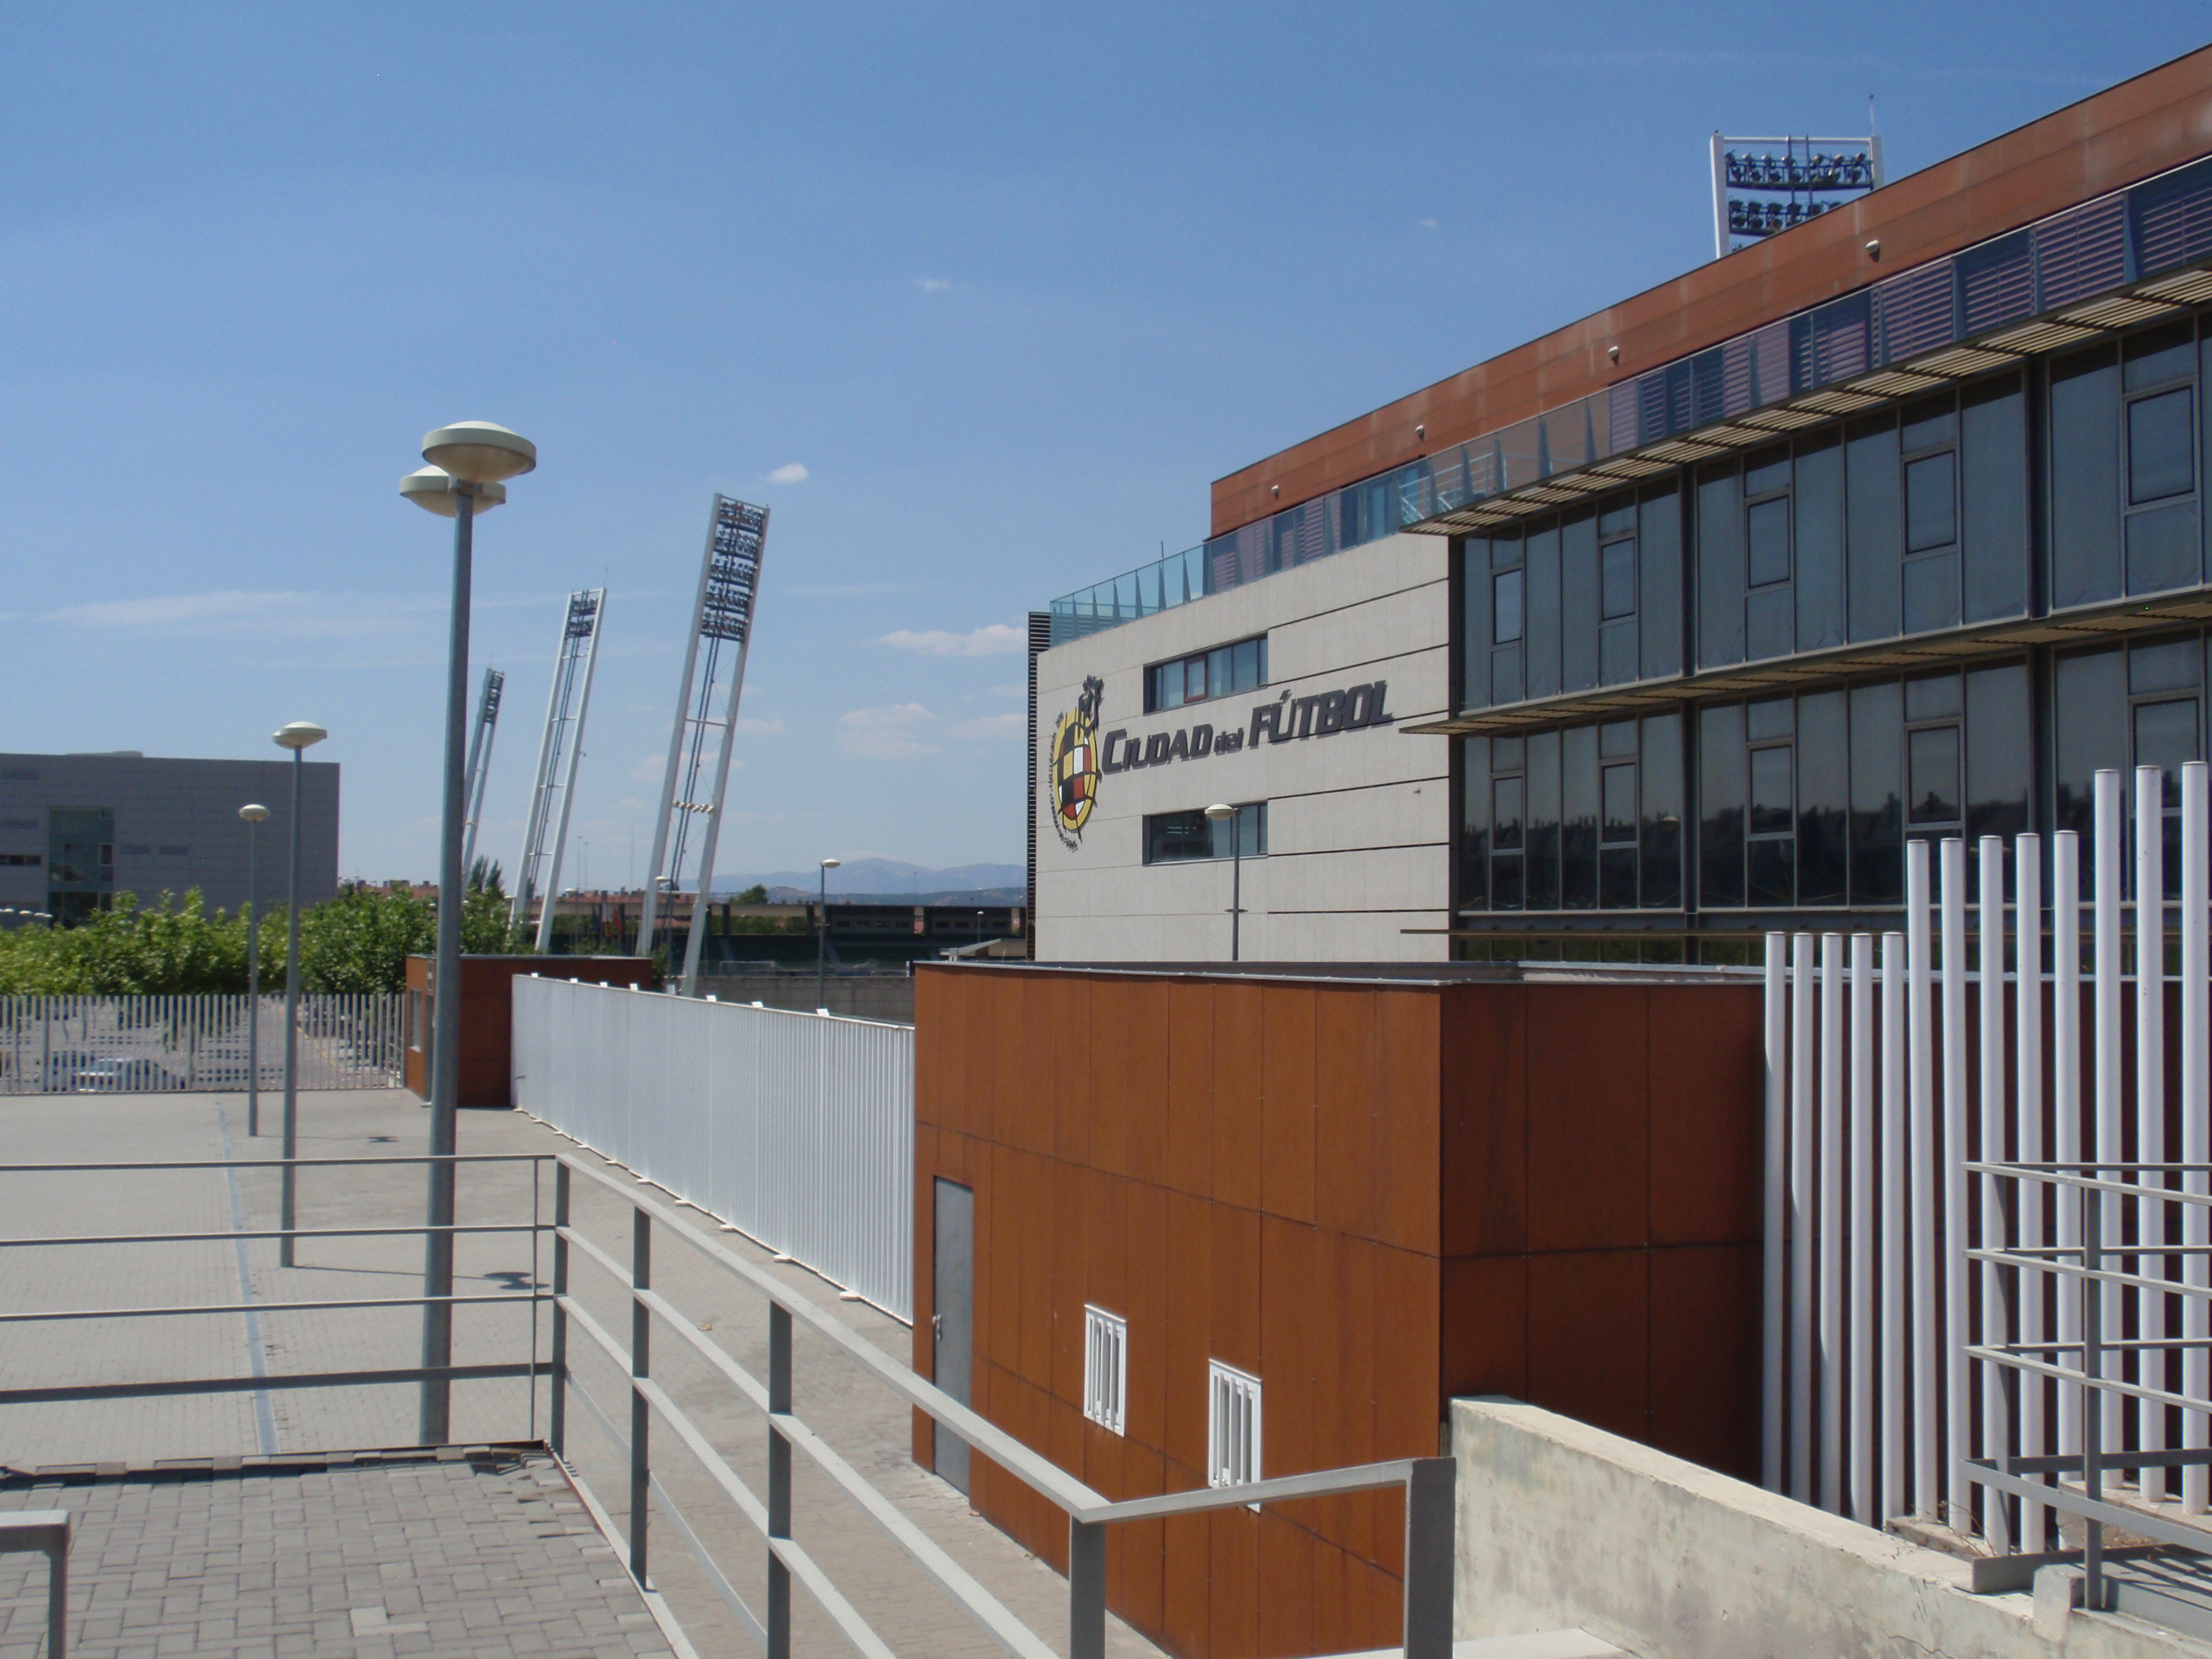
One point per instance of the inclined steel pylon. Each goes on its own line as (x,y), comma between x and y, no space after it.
(558,753)
(480,759)
(713,670)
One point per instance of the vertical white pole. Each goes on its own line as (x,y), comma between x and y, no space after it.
(2150,1106)
(2110,1101)
(1927,1497)
(2196,1122)
(1773,1263)
(1860,1342)
(1893,1500)
(1991,1149)
(1958,1401)
(2027,1132)
(1831,1222)
(2066,1107)
(1801,1219)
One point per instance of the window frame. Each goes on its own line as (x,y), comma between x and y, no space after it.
(1235,1417)
(1106,1369)
(1156,675)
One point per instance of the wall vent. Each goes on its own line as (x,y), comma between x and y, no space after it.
(1106,1369)
(1232,1425)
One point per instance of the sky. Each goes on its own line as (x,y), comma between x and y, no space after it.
(977,299)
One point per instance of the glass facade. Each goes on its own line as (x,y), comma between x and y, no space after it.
(1173,837)
(1205,675)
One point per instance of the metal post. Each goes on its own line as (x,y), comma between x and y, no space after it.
(2196,1124)
(1927,1496)
(435,1420)
(1894,1378)
(641,1366)
(1773,1266)
(1236,885)
(2066,1098)
(779,1482)
(1086,1588)
(1831,1222)
(252,979)
(1958,1402)
(1861,1339)
(2111,831)
(559,1429)
(1430,1550)
(1802,1133)
(292,1025)
(1991,1010)
(2093,1366)
(821,937)
(2150,1113)
(2028,1128)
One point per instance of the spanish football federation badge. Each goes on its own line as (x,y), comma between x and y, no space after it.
(1072,764)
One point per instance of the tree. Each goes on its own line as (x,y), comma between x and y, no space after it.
(485,877)
(755,894)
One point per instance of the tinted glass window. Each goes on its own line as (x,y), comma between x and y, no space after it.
(2091,702)
(1617,579)
(1659,552)
(1929,424)
(1766,530)
(1619,795)
(1877,812)
(1931,518)
(1771,804)
(1662,838)
(2085,479)
(1506,813)
(2160,461)
(2166,736)
(1818,530)
(2158,356)
(1720,570)
(1540,663)
(2172,666)
(1932,696)
(1542,835)
(1993,498)
(1578,817)
(1474,844)
(1932,768)
(1872,524)
(1998,749)
(1506,607)
(1721,781)
(1823,799)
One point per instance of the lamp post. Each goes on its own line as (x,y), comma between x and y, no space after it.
(467,463)
(1218,811)
(822,937)
(299,736)
(255,816)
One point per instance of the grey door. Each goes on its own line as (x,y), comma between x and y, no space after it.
(955,1317)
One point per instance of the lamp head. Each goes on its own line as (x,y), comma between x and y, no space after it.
(831,864)
(299,734)
(1220,809)
(255,813)
(432,489)
(479,451)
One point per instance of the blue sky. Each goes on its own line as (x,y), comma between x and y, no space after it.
(977,298)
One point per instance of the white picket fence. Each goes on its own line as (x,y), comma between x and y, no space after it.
(120,1045)
(797,1129)
(1926,1170)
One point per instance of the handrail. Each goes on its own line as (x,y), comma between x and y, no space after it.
(1428,1481)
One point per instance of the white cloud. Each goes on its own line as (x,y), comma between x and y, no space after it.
(987,640)
(1426,224)
(767,728)
(651,769)
(888,732)
(789,472)
(931,284)
(994,726)
(290,615)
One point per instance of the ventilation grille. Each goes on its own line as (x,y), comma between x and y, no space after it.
(2173,220)
(2081,253)
(1232,1426)
(1106,1369)
(1997,284)
(1918,311)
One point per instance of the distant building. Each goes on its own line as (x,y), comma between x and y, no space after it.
(77,830)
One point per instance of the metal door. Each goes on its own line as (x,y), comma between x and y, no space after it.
(954,1326)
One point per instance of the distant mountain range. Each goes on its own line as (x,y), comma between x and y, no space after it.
(885,877)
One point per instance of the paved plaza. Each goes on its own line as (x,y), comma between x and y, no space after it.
(864,1421)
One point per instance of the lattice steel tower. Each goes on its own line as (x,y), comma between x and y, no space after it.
(562,746)
(714,670)
(480,760)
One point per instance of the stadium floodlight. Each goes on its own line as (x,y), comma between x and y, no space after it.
(1814,176)
(467,462)
(546,838)
(480,739)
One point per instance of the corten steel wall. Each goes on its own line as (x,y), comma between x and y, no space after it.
(1370,1195)
(487,1015)
(2126,133)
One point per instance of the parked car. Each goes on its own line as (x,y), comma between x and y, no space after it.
(131,1075)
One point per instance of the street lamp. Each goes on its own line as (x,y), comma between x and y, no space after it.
(1218,811)
(467,463)
(299,736)
(255,816)
(822,938)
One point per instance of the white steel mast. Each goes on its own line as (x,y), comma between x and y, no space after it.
(722,636)
(558,753)
(480,761)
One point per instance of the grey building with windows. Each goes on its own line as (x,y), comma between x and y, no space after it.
(1891,526)
(77,829)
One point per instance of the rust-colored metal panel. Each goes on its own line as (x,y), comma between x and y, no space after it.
(1106,1241)
(1590,1337)
(1190,1087)
(1188,1333)
(1148,1308)
(1352,1425)
(1184,1629)
(1233,1621)
(937,1056)
(1109,1073)
(1144,1548)
(1064,1238)
(1289,1359)
(1286,1588)
(1236,1323)
(1346,1089)
(1063,1071)
(1037,1253)
(1589,1129)
(1238,1029)
(1484,1347)
(1286,1102)
(1408,1290)
(998,1249)
(1148,1080)
(1704,1355)
(1409,1099)
(978,1065)
(1021,1112)
(1375,1605)
(1708,1072)
(2121,135)
(1484,1185)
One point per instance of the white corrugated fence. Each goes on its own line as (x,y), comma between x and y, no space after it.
(135,1044)
(797,1129)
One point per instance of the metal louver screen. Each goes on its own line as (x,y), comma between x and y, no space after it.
(1918,311)
(1997,284)
(2173,220)
(2080,253)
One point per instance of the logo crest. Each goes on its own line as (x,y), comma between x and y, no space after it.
(1072,764)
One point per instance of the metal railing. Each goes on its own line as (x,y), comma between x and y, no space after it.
(155,1044)
(1428,1482)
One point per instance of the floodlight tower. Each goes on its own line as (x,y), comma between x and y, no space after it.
(480,758)
(721,635)
(558,753)
(1801,178)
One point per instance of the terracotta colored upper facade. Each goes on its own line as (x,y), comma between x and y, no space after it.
(2118,137)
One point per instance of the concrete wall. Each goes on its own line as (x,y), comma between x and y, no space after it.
(1565,1525)
(1358,823)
